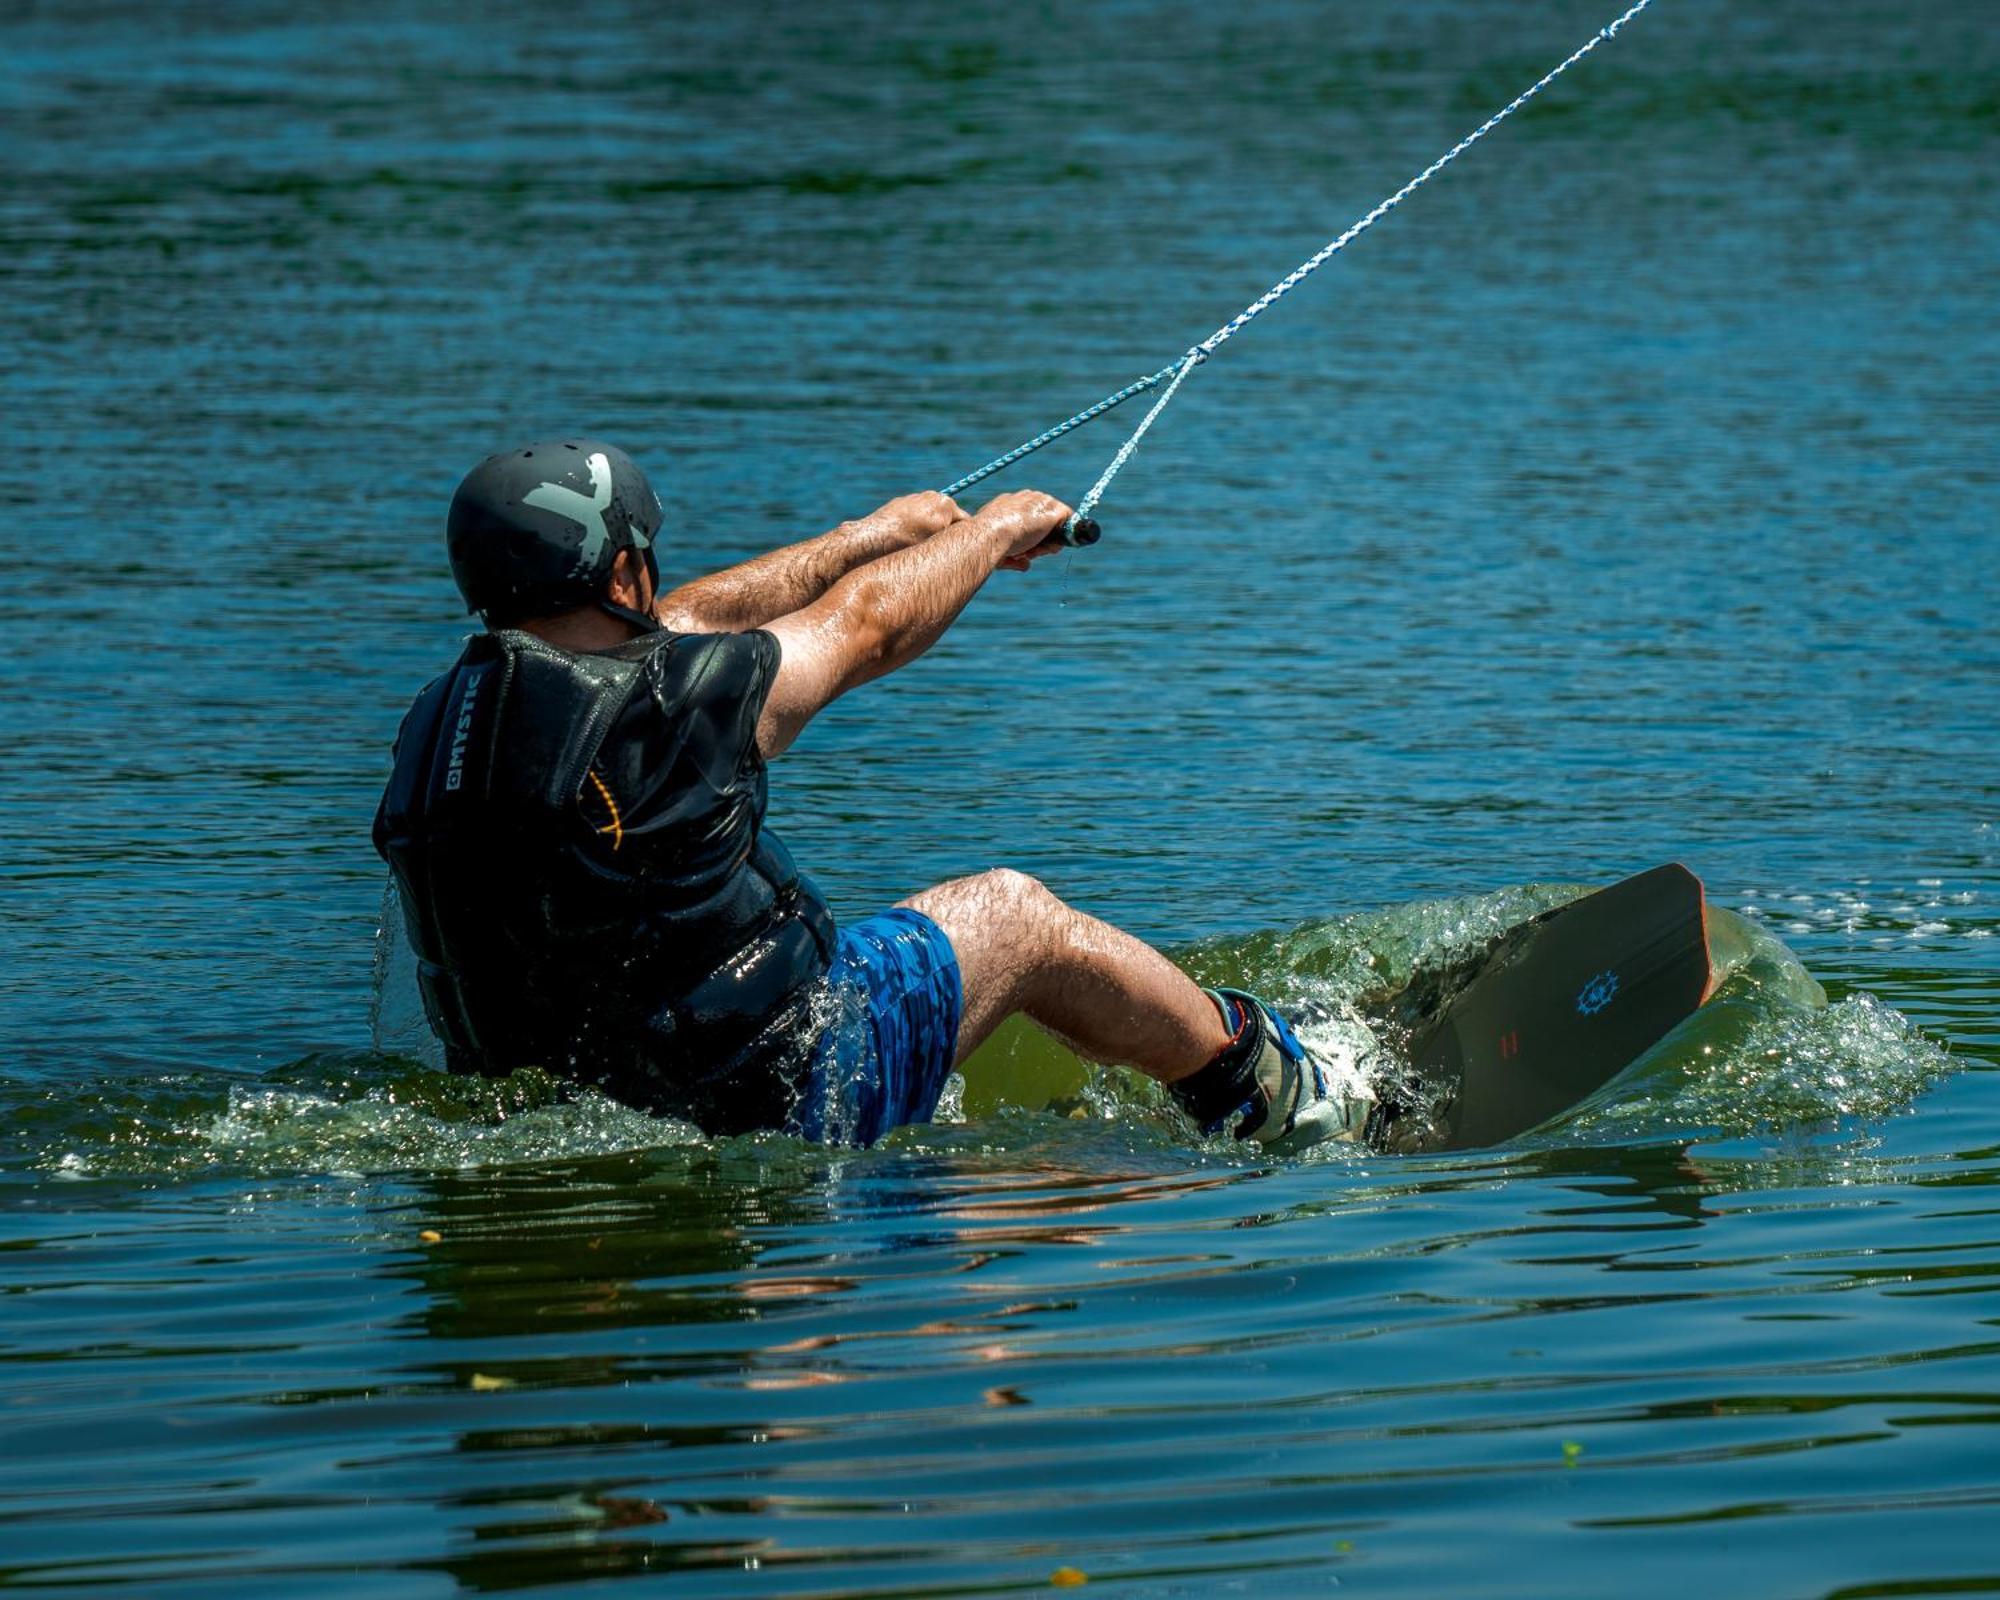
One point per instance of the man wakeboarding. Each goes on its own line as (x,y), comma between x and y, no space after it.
(575,821)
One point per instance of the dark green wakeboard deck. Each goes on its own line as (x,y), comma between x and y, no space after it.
(1554,1009)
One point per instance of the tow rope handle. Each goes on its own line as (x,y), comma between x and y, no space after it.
(1078,532)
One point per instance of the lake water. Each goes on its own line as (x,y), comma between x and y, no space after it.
(1629,495)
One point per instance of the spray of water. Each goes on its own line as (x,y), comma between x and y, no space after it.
(1767,1057)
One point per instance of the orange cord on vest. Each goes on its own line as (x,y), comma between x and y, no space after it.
(616,827)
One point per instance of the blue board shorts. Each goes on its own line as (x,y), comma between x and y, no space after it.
(889,1045)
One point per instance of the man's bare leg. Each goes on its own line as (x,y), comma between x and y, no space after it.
(1108,996)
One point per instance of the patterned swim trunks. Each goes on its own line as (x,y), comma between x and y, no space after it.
(883,1059)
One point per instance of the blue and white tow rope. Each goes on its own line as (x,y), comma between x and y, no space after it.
(1175,373)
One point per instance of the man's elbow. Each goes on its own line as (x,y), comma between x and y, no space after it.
(871,637)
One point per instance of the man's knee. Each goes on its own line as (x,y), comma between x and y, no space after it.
(1000,904)
(1018,893)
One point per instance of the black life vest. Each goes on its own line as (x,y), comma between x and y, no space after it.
(674,963)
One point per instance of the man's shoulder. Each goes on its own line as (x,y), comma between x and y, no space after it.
(702,666)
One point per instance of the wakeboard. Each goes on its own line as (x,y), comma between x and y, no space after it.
(1547,1014)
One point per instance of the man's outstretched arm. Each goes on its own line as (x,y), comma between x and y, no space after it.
(887,613)
(790,579)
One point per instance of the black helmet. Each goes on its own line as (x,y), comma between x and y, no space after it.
(535,530)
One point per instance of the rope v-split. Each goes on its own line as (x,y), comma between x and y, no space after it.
(1080,529)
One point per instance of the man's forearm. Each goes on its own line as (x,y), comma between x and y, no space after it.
(888,612)
(786,580)
(902,603)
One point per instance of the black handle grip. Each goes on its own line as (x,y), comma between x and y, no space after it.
(1079,531)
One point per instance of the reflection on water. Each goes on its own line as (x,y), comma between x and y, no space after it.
(899,1370)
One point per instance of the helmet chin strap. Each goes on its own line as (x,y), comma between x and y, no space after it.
(638,619)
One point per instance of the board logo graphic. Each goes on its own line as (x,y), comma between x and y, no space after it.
(1595,995)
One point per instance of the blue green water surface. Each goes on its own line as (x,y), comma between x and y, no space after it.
(1628,495)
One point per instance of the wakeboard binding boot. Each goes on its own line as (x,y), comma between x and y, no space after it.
(1276,1090)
